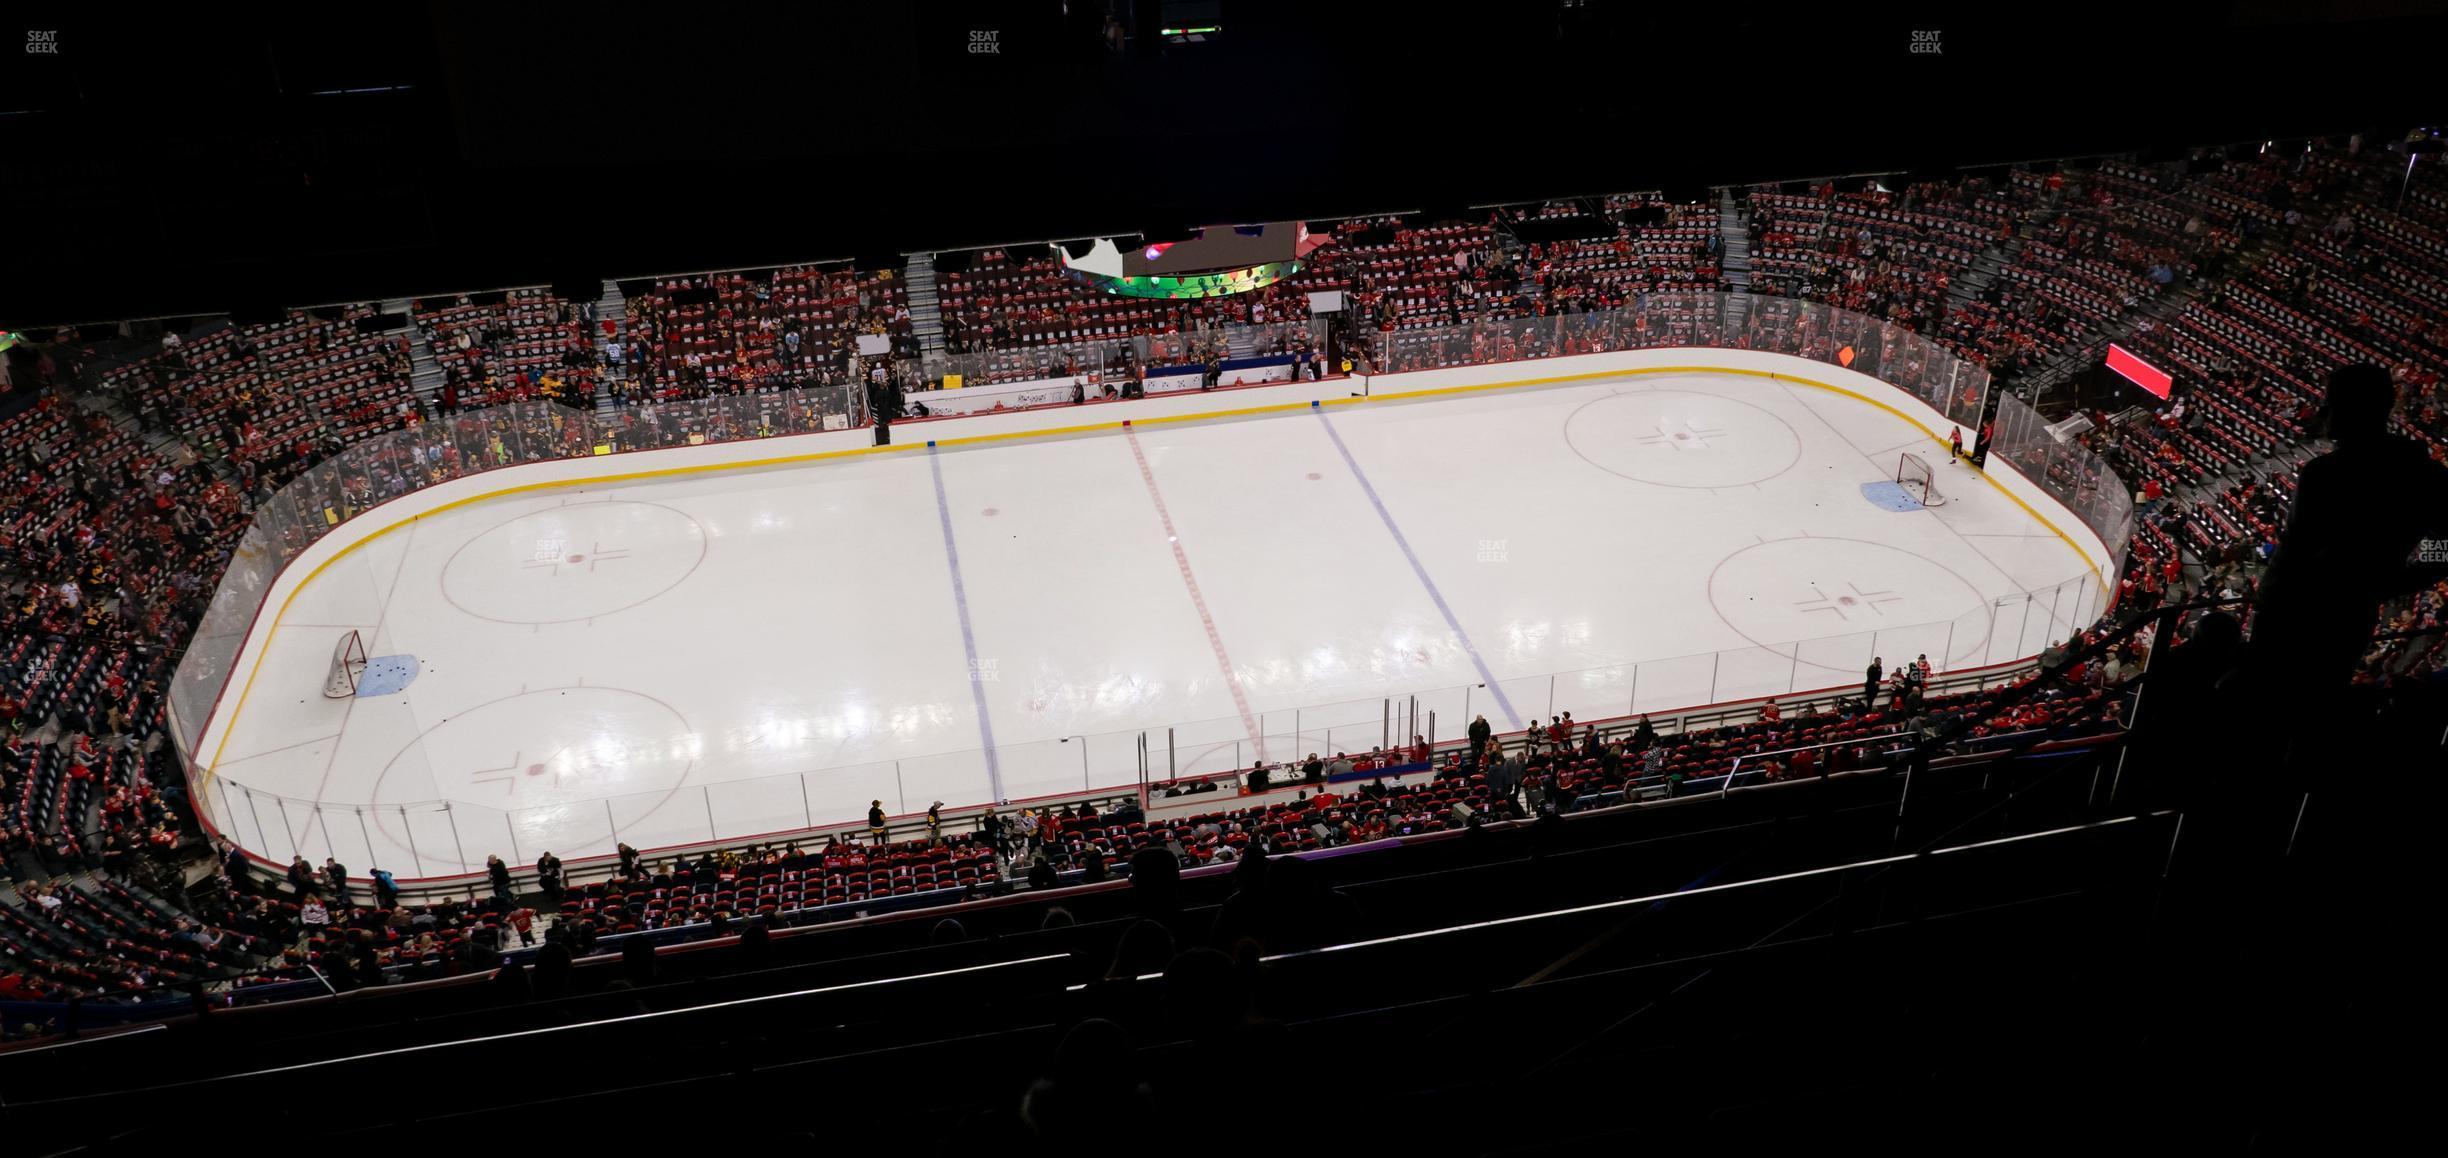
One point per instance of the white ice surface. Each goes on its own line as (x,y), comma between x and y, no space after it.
(751,651)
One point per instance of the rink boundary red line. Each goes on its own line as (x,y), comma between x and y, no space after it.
(210,768)
(1181,559)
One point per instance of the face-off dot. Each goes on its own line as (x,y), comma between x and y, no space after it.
(573,563)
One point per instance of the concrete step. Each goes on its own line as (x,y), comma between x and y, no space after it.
(925,303)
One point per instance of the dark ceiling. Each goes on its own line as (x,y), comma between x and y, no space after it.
(178,162)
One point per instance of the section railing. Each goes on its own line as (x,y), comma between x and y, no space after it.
(444,838)
(366,474)
(1893,354)
(447,838)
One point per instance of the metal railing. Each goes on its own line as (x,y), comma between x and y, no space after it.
(367,474)
(450,838)
(442,839)
(1110,358)
(1893,354)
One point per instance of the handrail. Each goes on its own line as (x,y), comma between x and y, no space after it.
(1931,374)
(2167,616)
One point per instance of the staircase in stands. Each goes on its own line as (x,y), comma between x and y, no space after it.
(424,373)
(1734,262)
(925,306)
(615,306)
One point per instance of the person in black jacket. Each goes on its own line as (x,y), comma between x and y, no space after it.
(1479,733)
(499,874)
(234,863)
(875,821)
(1041,874)
(548,877)
(2370,524)
(336,874)
(301,876)
(1870,682)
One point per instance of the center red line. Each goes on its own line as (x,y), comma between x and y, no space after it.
(1181,559)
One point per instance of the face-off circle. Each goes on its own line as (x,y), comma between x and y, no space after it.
(1682,438)
(571,563)
(1836,593)
(547,748)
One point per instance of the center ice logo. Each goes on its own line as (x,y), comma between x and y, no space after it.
(1843,605)
(1690,434)
(507,775)
(552,553)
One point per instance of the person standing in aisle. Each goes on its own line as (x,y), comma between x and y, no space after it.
(337,875)
(990,829)
(1870,682)
(522,921)
(934,823)
(875,822)
(499,874)
(548,877)
(1479,732)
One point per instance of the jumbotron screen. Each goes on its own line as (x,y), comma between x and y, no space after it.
(1203,285)
(2140,373)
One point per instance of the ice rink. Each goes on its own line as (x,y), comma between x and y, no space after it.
(752,651)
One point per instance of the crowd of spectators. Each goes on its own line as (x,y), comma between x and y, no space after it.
(2353,274)
(710,334)
(513,346)
(132,472)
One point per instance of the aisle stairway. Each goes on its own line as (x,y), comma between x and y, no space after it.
(1240,341)
(1983,273)
(613,305)
(424,373)
(1735,262)
(925,305)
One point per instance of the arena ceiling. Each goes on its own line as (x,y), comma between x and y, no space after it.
(160,161)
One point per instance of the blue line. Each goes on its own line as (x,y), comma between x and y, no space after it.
(1488,677)
(960,600)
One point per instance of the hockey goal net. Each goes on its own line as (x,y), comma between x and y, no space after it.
(348,663)
(1913,474)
